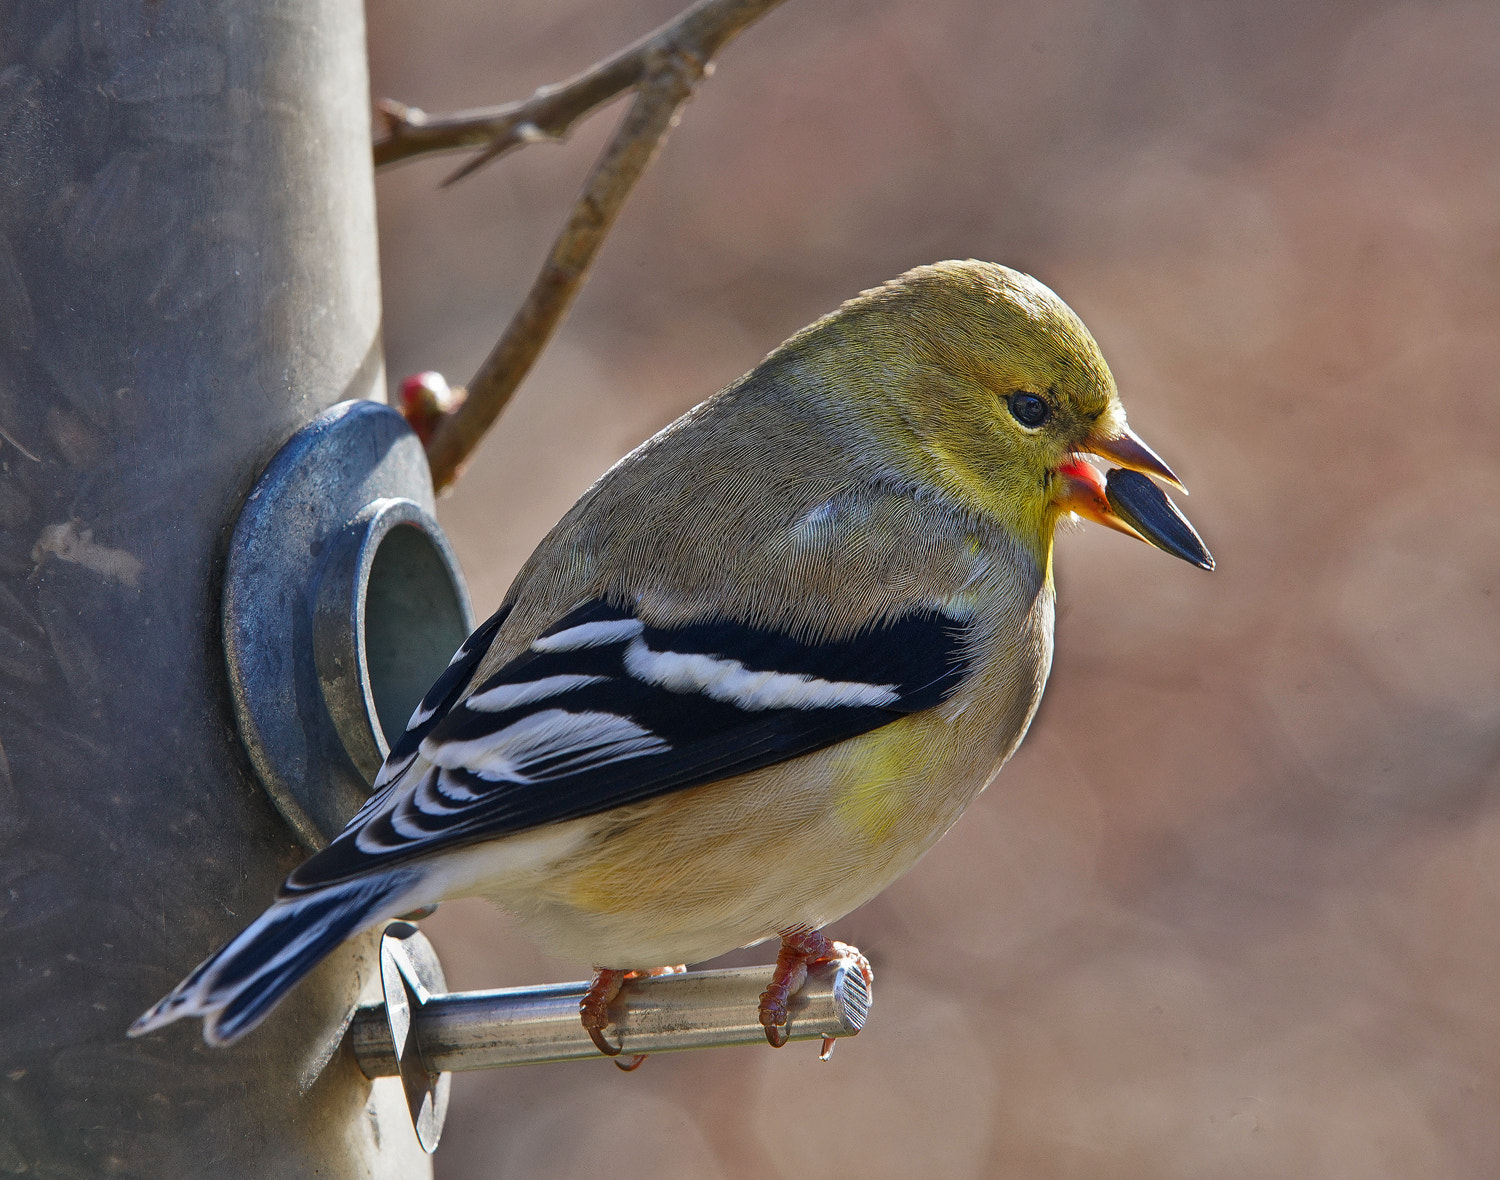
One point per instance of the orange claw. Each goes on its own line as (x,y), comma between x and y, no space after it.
(594,1007)
(800,949)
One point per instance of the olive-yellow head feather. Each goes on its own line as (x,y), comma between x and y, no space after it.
(977,379)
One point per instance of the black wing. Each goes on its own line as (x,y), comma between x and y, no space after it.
(605,710)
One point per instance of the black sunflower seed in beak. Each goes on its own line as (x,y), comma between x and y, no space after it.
(1136,500)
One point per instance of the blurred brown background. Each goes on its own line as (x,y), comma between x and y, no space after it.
(1231,910)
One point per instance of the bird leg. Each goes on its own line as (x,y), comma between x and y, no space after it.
(594,1007)
(800,949)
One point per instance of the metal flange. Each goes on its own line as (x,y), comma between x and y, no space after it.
(410,978)
(342,603)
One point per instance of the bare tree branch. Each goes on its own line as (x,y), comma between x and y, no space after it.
(549,114)
(664,68)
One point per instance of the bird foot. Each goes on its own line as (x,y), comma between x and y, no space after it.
(801,949)
(593,1009)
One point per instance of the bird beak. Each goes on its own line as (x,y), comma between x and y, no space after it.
(1130,503)
(1134,455)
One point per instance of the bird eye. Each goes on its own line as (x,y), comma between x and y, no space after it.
(1028,409)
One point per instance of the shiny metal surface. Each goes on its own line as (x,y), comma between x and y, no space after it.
(410,977)
(390,612)
(342,603)
(661,1014)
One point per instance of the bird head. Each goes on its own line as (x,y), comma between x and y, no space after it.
(1000,393)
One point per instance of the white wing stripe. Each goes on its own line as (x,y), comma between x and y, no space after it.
(592,738)
(390,770)
(420,714)
(590,635)
(512,696)
(453,788)
(730,681)
(406,817)
(463,650)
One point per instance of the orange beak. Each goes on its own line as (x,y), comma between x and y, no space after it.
(1130,503)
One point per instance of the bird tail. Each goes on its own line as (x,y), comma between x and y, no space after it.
(234,989)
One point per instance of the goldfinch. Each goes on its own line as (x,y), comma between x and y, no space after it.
(758,669)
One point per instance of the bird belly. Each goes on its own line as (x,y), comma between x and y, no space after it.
(697,873)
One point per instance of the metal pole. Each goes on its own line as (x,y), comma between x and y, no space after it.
(187,274)
(661,1014)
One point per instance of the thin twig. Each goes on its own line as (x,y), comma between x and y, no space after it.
(549,114)
(665,67)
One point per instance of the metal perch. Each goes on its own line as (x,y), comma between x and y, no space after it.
(423,1032)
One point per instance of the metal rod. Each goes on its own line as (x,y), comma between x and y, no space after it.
(656,1014)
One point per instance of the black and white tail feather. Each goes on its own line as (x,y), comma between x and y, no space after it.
(601,711)
(235,989)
